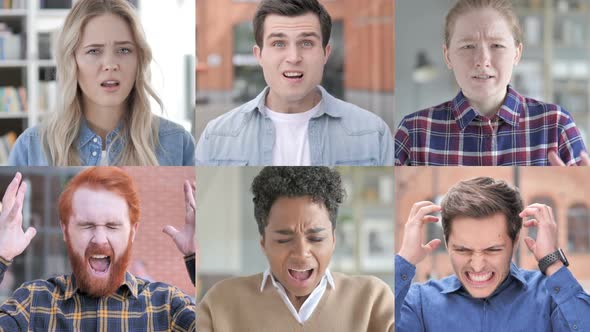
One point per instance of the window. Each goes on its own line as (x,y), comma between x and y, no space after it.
(532,231)
(578,228)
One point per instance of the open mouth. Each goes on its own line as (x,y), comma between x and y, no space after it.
(301,275)
(99,264)
(293,75)
(480,279)
(110,84)
(482,77)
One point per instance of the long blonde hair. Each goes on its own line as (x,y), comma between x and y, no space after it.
(140,127)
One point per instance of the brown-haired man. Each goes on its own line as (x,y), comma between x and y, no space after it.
(482,219)
(294,121)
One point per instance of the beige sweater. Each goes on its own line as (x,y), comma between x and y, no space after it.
(358,303)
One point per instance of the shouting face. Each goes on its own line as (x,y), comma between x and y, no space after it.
(99,236)
(480,251)
(298,243)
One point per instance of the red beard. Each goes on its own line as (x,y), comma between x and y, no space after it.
(94,286)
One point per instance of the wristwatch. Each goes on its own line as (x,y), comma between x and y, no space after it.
(553,257)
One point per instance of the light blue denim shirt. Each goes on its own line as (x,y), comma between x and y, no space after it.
(340,134)
(176,147)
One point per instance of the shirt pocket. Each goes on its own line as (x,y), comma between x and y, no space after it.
(359,162)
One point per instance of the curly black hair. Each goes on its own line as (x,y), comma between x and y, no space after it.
(322,184)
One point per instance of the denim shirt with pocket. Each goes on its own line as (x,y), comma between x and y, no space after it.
(340,134)
(176,146)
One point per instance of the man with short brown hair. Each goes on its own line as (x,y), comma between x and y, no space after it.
(295,121)
(481,220)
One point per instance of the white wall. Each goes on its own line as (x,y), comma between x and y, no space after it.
(170,30)
(419,25)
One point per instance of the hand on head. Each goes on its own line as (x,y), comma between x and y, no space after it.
(13,241)
(546,241)
(412,248)
(185,238)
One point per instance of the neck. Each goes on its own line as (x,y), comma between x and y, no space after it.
(297,301)
(280,105)
(103,119)
(488,107)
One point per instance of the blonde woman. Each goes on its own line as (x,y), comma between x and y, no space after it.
(103,115)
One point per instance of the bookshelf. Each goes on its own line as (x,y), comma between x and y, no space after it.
(555,66)
(28,29)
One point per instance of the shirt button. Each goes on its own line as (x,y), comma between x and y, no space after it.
(404,277)
(556,289)
(94,153)
(575,327)
(95,140)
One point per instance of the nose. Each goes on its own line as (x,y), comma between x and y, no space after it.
(478,262)
(99,236)
(110,63)
(294,54)
(301,248)
(482,56)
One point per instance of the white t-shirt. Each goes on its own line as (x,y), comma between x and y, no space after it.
(291,137)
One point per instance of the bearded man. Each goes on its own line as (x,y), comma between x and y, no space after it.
(99,216)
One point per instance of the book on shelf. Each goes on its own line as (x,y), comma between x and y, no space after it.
(10,43)
(6,143)
(13,99)
(12,4)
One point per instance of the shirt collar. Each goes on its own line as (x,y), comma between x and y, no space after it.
(327,106)
(70,286)
(5,262)
(510,110)
(268,275)
(86,134)
(453,283)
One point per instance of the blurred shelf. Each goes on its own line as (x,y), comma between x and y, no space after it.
(13,115)
(13,63)
(12,12)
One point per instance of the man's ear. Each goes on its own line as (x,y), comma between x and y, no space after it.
(327,52)
(63,230)
(257,51)
(134,231)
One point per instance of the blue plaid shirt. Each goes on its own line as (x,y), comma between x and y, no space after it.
(56,304)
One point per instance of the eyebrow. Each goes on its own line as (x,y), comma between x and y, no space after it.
(314,230)
(301,35)
(117,43)
(92,223)
(496,246)
(471,39)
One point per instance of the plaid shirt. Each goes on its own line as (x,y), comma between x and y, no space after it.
(57,305)
(522,132)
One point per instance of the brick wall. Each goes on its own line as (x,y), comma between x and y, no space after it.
(368,38)
(162,203)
